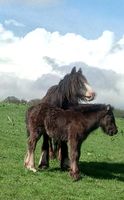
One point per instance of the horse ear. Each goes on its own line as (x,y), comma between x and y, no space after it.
(80,71)
(73,70)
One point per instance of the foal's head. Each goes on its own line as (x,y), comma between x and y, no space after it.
(107,121)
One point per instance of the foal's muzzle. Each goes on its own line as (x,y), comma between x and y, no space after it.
(113,132)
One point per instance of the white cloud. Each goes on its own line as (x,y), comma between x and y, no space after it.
(14,23)
(26,56)
(108,85)
(6,36)
(42,52)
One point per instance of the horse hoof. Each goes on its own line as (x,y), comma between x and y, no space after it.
(65,165)
(52,155)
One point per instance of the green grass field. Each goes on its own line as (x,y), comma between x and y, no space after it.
(101,164)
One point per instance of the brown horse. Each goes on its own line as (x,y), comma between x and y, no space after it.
(72,126)
(69,91)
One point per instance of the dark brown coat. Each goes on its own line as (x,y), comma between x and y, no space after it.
(72,126)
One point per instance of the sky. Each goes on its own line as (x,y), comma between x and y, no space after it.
(38,38)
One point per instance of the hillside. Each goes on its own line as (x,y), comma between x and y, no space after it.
(101,165)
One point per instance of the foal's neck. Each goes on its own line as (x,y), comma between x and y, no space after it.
(93,119)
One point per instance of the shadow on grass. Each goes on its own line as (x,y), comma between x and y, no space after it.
(103,170)
(99,170)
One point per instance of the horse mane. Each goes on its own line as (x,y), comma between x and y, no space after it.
(65,90)
(83,108)
(70,83)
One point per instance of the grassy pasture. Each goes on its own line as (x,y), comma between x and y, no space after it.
(101,164)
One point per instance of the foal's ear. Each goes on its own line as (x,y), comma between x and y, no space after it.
(73,70)
(108,107)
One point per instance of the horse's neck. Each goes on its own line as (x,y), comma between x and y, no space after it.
(53,97)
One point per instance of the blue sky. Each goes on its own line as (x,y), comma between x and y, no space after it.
(88,18)
(40,38)
(96,27)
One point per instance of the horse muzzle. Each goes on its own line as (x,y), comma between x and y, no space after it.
(90,96)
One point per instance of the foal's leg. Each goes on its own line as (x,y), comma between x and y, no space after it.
(51,149)
(29,158)
(74,158)
(63,155)
(44,159)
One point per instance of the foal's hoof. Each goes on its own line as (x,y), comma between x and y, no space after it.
(43,166)
(31,168)
(75,176)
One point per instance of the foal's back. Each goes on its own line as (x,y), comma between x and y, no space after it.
(60,123)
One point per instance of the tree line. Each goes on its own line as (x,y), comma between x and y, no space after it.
(12,99)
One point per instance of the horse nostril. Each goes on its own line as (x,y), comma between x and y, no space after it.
(92,95)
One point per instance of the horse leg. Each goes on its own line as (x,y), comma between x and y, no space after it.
(29,162)
(74,158)
(44,159)
(63,156)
